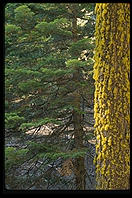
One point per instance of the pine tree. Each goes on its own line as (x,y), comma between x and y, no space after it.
(46,71)
(77,116)
(112,95)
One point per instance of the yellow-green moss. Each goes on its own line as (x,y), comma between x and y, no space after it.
(112,95)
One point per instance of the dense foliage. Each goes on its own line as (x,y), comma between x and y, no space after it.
(42,58)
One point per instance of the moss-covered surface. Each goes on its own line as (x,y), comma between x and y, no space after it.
(112,95)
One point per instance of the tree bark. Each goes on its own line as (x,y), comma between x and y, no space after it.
(112,95)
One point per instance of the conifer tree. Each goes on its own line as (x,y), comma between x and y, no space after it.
(112,95)
(46,73)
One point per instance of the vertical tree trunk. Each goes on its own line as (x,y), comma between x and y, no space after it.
(112,95)
(77,117)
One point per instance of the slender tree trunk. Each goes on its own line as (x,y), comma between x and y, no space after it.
(77,117)
(112,95)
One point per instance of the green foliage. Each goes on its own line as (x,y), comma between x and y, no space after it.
(9,12)
(45,28)
(12,32)
(74,63)
(14,157)
(41,147)
(83,44)
(38,123)
(24,16)
(11,28)
(22,72)
(53,152)
(41,59)
(13,121)
(40,62)
(55,27)
(29,86)
(65,155)
(54,72)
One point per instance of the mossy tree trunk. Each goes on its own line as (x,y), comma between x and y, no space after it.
(79,168)
(112,95)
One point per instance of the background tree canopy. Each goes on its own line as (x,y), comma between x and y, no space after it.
(48,78)
(40,59)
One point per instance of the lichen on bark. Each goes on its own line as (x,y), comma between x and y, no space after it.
(112,95)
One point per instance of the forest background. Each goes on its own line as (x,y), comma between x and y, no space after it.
(48,85)
(51,55)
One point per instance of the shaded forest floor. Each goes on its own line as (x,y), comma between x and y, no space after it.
(41,174)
